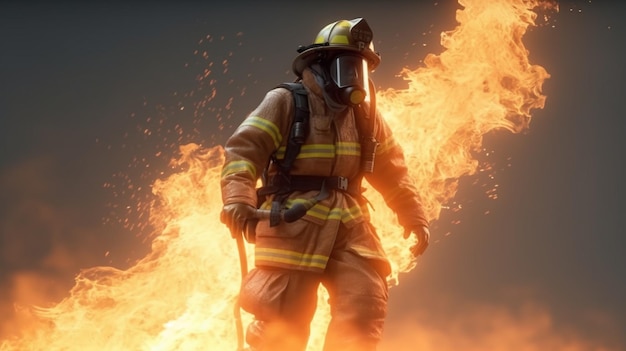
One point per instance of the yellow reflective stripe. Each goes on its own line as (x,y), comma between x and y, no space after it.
(290,257)
(351,213)
(317,151)
(385,146)
(336,213)
(310,151)
(321,212)
(280,153)
(324,150)
(349,148)
(266,126)
(290,203)
(326,213)
(318,211)
(239,167)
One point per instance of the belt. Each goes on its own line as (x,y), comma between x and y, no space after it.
(292,183)
(281,186)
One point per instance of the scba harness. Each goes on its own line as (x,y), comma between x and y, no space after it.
(282,184)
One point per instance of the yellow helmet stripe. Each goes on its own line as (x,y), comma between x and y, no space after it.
(344,24)
(339,39)
(319,40)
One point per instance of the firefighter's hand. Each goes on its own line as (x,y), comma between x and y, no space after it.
(235,216)
(423,237)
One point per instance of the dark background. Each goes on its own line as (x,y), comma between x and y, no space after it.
(81,83)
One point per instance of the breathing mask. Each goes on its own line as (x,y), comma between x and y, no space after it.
(349,79)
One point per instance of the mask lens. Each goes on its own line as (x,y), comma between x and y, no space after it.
(349,70)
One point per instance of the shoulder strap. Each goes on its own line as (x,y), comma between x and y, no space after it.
(299,127)
(297,136)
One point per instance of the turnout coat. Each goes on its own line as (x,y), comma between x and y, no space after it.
(332,148)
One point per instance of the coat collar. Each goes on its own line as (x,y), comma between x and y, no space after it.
(308,79)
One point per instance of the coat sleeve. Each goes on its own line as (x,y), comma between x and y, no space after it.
(248,150)
(390,177)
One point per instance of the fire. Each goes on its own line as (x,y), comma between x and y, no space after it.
(181,295)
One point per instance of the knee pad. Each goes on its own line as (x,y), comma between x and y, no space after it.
(254,335)
(261,293)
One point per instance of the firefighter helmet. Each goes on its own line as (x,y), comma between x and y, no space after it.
(344,35)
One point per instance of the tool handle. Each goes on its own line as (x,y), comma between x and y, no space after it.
(291,215)
(243,265)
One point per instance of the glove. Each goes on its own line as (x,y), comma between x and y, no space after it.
(235,216)
(423,236)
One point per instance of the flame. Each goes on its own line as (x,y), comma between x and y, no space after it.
(181,295)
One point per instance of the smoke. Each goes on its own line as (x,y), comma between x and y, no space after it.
(45,238)
(528,326)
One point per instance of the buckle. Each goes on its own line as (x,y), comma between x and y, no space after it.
(342,183)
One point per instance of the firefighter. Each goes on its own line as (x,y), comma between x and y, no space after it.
(332,243)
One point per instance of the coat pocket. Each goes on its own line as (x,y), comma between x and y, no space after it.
(302,226)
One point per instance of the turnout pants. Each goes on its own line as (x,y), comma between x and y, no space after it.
(284,301)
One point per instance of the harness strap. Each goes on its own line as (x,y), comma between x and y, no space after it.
(297,136)
(283,183)
(293,183)
(299,128)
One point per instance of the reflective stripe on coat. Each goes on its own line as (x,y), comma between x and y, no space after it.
(331,148)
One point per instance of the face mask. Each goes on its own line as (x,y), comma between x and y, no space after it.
(349,74)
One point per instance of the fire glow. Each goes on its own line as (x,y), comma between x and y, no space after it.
(181,295)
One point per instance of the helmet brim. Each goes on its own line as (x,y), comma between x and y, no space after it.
(305,58)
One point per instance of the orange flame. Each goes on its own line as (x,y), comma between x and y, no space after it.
(180,296)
